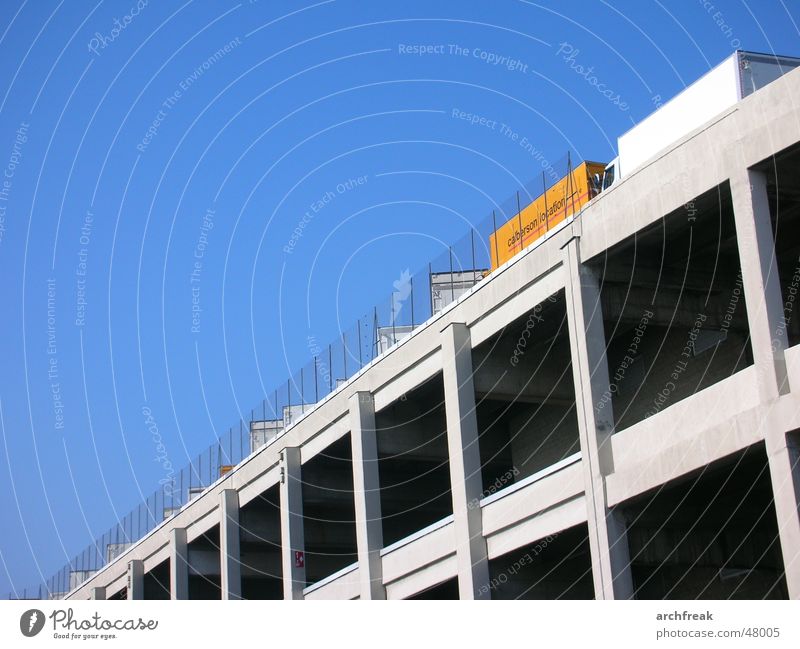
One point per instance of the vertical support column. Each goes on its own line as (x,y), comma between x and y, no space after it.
(769,341)
(367,495)
(292,537)
(465,462)
(229,546)
(762,289)
(178,564)
(135,579)
(783,454)
(97,593)
(608,541)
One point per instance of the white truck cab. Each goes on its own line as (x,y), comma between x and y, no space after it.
(610,174)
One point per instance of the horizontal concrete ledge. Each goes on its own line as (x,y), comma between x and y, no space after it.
(423,578)
(533,499)
(560,517)
(726,437)
(553,468)
(686,419)
(420,551)
(330,578)
(417,535)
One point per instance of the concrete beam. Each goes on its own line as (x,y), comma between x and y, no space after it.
(292,535)
(261,526)
(178,564)
(465,462)
(135,579)
(625,304)
(367,495)
(537,376)
(229,550)
(607,535)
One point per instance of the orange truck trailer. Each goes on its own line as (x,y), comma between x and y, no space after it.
(565,198)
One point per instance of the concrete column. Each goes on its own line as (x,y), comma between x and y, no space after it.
(135,579)
(783,454)
(292,538)
(465,462)
(229,550)
(97,593)
(178,564)
(760,280)
(608,540)
(765,318)
(367,495)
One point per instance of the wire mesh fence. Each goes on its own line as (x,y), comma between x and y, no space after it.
(416,297)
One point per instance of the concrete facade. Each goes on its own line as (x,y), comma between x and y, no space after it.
(576,521)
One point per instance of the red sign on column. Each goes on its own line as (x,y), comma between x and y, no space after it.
(299,559)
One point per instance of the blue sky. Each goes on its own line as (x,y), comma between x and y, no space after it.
(189,126)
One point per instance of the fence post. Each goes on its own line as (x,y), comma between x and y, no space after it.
(494,232)
(452,287)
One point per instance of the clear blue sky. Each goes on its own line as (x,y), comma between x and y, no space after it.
(145,129)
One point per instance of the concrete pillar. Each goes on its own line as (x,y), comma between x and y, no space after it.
(135,579)
(608,540)
(465,462)
(769,341)
(229,550)
(178,564)
(760,280)
(367,495)
(292,537)
(783,454)
(97,593)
